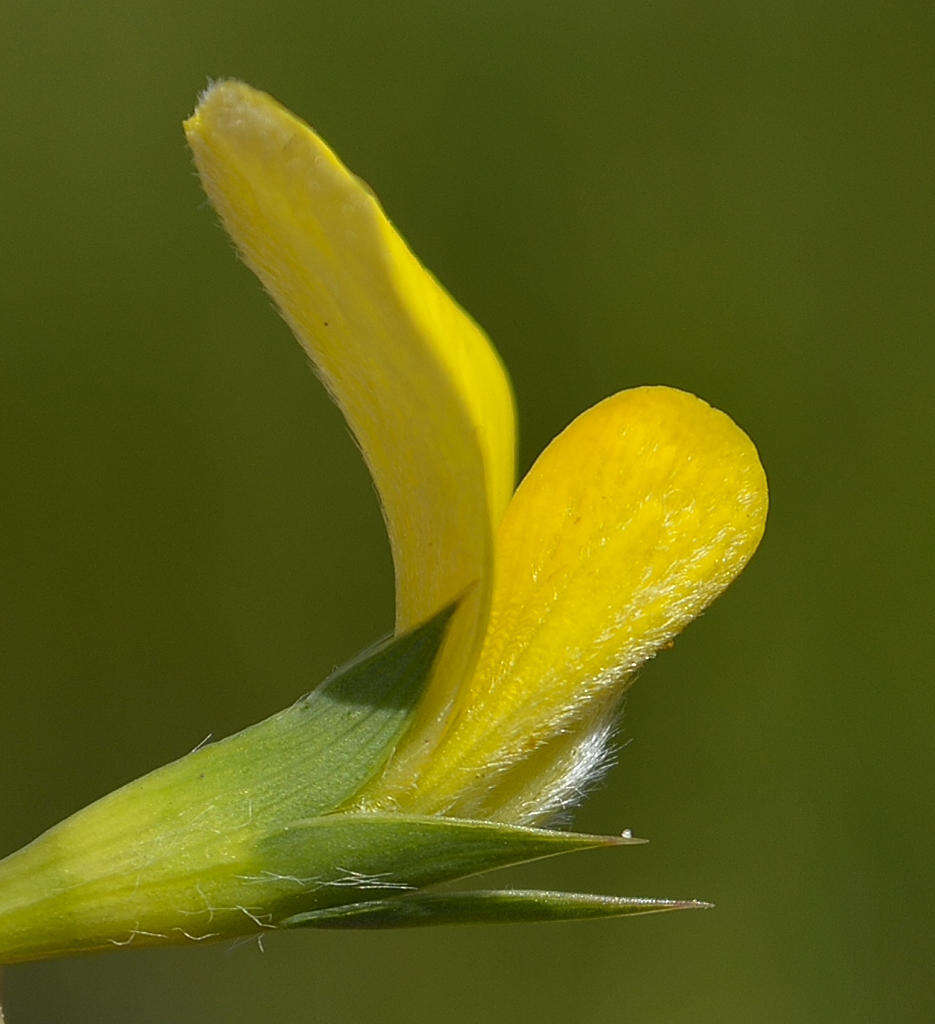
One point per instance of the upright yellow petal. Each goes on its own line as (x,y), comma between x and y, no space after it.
(630,523)
(421,387)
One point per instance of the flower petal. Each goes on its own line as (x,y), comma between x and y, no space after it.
(422,389)
(630,523)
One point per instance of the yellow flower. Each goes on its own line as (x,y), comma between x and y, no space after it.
(520,617)
(631,522)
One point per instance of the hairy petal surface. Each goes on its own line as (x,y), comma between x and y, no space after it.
(420,385)
(629,524)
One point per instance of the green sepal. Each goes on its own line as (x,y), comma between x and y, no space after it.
(353,720)
(327,745)
(354,856)
(250,879)
(484,906)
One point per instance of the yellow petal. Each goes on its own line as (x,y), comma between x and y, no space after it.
(421,387)
(630,523)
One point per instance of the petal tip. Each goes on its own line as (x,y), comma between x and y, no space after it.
(213,98)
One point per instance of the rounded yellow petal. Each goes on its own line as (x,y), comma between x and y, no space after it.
(421,387)
(630,523)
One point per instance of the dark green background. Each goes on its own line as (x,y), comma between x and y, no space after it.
(733,198)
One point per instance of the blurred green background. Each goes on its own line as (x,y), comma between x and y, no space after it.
(732,198)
